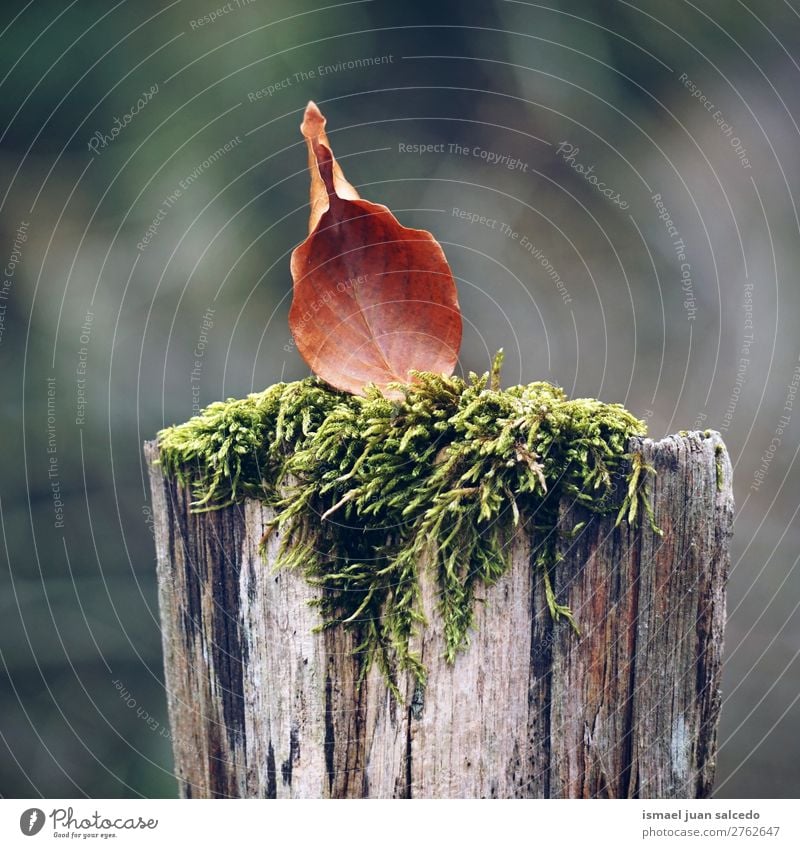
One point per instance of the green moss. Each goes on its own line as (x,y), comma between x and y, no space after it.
(719,450)
(364,488)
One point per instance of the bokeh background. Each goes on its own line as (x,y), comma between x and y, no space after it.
(153,184)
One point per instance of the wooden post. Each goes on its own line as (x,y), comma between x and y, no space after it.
(262,707)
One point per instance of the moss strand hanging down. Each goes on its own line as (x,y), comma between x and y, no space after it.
(365,487)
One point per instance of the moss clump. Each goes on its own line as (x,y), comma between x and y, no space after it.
(364,487)
(719,450)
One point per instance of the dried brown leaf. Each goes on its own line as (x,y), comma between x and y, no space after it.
(373,300)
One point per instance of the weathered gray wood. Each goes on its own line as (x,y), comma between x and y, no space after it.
(262,707)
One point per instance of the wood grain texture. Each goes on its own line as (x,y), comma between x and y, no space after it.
(262,707)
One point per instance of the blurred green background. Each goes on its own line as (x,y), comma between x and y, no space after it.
(153,174)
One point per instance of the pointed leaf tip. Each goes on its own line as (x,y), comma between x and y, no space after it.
(327,179)
(313,121)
